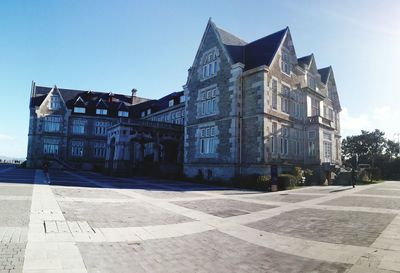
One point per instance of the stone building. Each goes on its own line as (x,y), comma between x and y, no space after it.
(253,105)
(69,128)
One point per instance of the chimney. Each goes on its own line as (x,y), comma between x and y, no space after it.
(135,99)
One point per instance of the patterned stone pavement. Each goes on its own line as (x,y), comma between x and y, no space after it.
(86,222)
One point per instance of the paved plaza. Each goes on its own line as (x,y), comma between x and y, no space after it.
(86,222)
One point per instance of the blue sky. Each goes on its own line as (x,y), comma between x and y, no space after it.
(149,45)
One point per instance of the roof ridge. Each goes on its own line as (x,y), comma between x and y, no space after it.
(276,32)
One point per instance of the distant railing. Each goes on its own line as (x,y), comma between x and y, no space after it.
(319,120)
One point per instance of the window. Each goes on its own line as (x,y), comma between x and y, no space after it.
(285,63)
(77,148)
(101,112)
(327,151)
(123,113)
(170,103)
(274,94)
(50,146)
(181,99)
(81,110)
(208,103)
(54,103)
(273,150)
(285,98)
(314,107)
(101,128)
(274,127)
(330,114)
(297,147)
(143,114)
(284,146)
(311,148)
(311,134)
(311,82)
(210,66)
(52,124)
(148,111)
(99,149)
(208,140)
(78,126)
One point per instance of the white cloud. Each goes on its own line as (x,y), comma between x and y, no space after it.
(384,118)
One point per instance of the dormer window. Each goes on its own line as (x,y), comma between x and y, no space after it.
(123,114)
(171,103)
(102,112)
(285,63)
(54,103)
(210,64)
(181,99)
(143,114)
(149,111)
(311,82)
(80,110)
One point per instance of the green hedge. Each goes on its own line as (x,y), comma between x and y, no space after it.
(287,181)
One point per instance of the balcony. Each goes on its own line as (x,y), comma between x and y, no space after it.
(320,120)
(321,93)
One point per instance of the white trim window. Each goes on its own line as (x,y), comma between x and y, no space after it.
(54,102)
(285,63)
(284,140)
(80,110)
(123,114)
(208,102)
(273,137)
(99,149)
(52,124)
(100,128)
(78,126)
(274,99)
(327,151)
(314,107)
(311,148)
(77,148)
(311,82)
(170,103)
(182,99)
(50,146)
(209,64)
(208,140)
(102,112)
(312,134)
(285,92)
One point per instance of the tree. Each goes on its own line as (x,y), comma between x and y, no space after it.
(366,147)
(392,149)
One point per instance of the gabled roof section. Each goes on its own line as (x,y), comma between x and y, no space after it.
(122,107)
(324,72)
(305,61)
(101,104)
(79,102)
(262,51)
(233,44)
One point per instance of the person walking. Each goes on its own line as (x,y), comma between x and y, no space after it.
(353,177)
(46,172)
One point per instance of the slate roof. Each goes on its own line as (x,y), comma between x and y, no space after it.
(254,54)
(112,102)
(324,72)
(233,44)
(305,61)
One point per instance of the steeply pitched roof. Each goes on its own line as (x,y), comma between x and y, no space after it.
(262,51)
(233,44)
(305,61)
(324,72)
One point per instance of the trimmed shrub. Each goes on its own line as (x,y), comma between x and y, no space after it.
(286,181)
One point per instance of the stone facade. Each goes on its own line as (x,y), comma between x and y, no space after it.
(279,110)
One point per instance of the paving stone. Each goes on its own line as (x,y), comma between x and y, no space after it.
(87,193)
(223,207)
(14,213)
(169,194)
(385,191)
(289,198)
(11,257)
(210,251)
(369,202)
(119,214)
(338,227)
(20,190)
